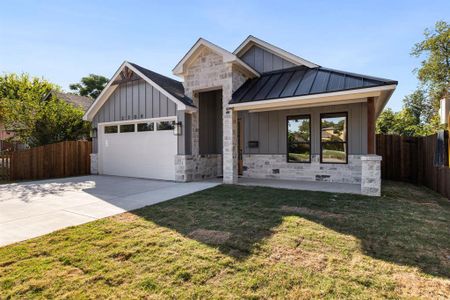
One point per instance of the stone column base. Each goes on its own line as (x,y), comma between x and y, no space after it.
(94,163)
(371,175)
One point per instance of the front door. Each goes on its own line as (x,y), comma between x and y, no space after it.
(240,146)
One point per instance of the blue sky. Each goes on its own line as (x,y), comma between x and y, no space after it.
(65,40)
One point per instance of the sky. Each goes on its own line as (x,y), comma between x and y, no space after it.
(63,41)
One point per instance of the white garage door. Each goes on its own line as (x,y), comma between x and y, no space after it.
(141,149)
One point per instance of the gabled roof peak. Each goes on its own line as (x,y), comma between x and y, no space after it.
(252,40)
(228,57)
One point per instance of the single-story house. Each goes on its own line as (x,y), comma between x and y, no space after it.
(257,112)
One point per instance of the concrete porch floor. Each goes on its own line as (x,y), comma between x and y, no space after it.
(320,186)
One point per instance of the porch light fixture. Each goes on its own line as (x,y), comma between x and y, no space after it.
(94,132)
(177,128)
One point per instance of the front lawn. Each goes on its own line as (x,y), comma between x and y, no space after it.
(246,242)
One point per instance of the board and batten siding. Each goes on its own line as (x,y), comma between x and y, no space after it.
(264,61)
(133,101)
(270,128)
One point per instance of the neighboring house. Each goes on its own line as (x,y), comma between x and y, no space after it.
(232,115)
(81,102)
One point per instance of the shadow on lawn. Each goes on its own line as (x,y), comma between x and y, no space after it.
(408,225)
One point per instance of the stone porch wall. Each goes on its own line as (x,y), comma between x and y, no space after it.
(274,166)
(197,167)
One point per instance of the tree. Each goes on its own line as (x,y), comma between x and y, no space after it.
(434,72)
(33,119)
(386,122)
(90,86)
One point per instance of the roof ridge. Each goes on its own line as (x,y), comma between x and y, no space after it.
(358,75)
(156,73)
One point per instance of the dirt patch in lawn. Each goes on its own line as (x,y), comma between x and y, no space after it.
(214,237)
(299,257)
(412,285)
(312,212)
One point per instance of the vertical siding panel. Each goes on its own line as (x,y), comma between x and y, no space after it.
(259,59)
(105,109)
(254,128)
(135,105)
(148,100)
(142,100)
(281,132)
(267,61)
(163,105)
(129,100)
(172,108)
(155,99)
(273,132)
(112,104)
(117,104)
(277,63)
(123,102)
(246,121)
(263,132)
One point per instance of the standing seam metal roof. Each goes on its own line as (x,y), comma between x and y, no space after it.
(302,81)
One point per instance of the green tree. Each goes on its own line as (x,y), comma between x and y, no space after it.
(90,86)
(386,122)
(33,119)
(434,72)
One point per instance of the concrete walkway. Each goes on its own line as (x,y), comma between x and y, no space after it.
(331,187)
(36,208)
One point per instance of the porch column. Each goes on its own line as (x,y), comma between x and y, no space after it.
(371,125)
(230,149)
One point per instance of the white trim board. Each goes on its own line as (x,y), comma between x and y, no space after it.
(109,89)
(251,40)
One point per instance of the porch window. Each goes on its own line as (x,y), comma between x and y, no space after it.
(299,139)
(333,138)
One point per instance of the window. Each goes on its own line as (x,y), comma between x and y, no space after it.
(126,128)
(149,126)
(110,129)
(333,138)
(166,125)
(299,139)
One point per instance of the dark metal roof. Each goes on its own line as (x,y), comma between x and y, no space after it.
(172,86)
(302,81)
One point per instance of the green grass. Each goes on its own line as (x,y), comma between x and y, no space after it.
(246,242)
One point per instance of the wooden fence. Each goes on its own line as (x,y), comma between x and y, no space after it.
(70,158)
(411,159)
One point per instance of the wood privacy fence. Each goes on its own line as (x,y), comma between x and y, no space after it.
(411,159)
(70,158)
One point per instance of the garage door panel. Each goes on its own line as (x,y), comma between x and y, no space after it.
(149,154)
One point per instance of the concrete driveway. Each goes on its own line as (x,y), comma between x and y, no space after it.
(35,208)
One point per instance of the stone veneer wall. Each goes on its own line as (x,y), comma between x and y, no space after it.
(94,163)
(371,175)
(197,167)
(209,72)
(275,166)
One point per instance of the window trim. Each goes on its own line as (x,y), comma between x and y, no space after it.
(307,116)
(325,115)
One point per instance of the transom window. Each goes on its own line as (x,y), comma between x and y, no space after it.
(149,126)
(333,138)
(299,139)
(126,128)
(110,129)
(165,125)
